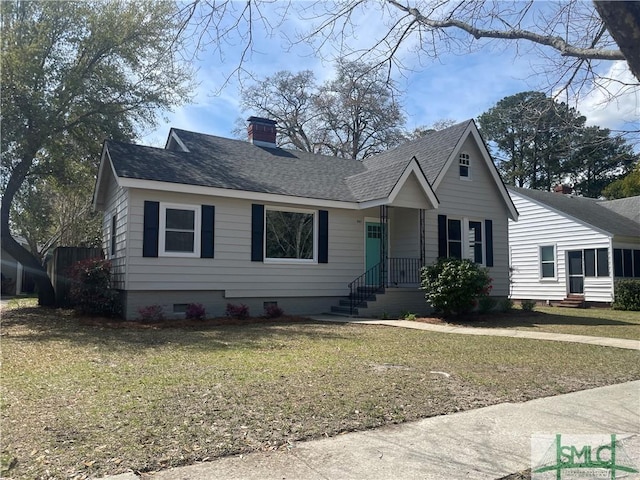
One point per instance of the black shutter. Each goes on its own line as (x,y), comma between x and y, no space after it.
(488,228)
(257,232)
(323,236)
(206,231)
(151,229)
(442,236)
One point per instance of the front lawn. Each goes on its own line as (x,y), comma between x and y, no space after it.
(81,400)
(596,322)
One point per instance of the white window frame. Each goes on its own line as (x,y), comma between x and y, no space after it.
(483,246)
(555,263)
(196,230)
(464,160)
(307,261)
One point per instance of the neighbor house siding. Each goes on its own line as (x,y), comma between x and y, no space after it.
(232,270)
(540,226)
(476,199)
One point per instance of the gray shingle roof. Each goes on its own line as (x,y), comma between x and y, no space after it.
(432,151)
(627,207)
(235,164)
(605,215)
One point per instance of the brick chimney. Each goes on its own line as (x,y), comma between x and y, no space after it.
(262,132)
(564,189)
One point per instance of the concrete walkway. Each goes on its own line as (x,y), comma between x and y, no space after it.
(495,332)
(486,443)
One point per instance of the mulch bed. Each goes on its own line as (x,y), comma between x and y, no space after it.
(184,323)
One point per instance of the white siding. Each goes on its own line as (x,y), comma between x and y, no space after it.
(404,233)
(476,199)
(232,270)
(411,195)
(539,226)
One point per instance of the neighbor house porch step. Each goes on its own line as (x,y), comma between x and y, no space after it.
(572,301)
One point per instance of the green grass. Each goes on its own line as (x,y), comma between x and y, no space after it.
(597,322)
(83,400)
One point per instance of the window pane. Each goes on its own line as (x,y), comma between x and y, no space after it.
(546,254)
(464,171)
(180,219)
(575,262)
(455,249)
(617,262)
(178,241)
(477,253)
(603,262)
(548,270)
(590,263)
(636,263)
(289,235)
(627,263)
(455,229)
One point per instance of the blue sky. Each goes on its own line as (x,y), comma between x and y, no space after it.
(456,87)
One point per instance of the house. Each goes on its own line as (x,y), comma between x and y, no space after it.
(15,279)
(565,245)
(213,220)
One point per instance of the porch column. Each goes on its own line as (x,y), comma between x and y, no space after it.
(384,254)
(423,241)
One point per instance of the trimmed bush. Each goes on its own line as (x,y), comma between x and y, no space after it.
(486,304)
(273,311)
(627,295)
(505,305)
(91,292)
(237,311)
(527,305)
(453,286)
(195,311)
(151,313)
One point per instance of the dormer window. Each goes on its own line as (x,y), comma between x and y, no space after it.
(465,164)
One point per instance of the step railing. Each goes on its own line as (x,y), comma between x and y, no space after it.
(398,271)
(365,286)
(404,271)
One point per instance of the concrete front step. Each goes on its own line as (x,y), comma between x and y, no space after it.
(573,301)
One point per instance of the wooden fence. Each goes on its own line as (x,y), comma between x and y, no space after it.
(58,269)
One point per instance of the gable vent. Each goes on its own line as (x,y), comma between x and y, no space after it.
(262,132)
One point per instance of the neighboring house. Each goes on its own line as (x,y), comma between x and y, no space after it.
(564,244)
(14,279)
(212,220)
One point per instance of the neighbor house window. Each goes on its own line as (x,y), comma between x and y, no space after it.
(547,261)
(179,230)
(289,234)
(626,262)
(464,162)
(596,262)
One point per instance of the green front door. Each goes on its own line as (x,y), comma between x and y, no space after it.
(373,244)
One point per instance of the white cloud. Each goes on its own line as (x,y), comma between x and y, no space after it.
(615,102)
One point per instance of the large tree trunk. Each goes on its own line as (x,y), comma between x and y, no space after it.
(623,22)
(31,264)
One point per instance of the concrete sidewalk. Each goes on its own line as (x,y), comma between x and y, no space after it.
(487,443)
(495,332)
